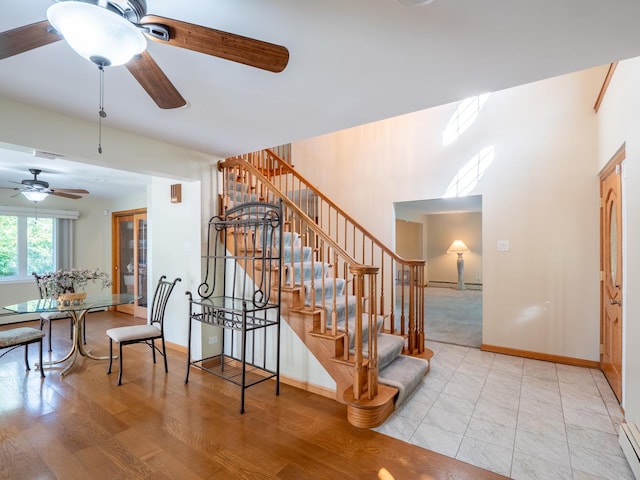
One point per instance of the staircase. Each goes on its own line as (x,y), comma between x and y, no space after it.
(339,289)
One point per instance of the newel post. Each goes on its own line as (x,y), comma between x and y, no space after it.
(366,372)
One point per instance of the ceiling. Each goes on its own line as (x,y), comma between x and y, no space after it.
(101,182)
(351,62)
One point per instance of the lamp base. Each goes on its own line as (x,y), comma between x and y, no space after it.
(460,273)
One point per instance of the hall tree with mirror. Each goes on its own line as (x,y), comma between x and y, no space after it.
(129,257)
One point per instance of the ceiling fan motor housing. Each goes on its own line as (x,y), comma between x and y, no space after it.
(34,182)
(132,10)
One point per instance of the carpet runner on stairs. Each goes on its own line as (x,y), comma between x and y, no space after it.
(403,372)
(396,370)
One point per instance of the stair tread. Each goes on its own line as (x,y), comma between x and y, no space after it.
(327,335)
(405,373)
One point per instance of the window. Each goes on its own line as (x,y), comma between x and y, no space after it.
(27,245)
(34,244)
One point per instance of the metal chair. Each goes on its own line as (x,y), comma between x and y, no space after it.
(148,333)
(53,316)
(15,337)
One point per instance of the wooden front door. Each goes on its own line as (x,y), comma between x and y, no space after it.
(611,267)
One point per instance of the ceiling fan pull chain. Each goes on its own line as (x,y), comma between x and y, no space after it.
(101,112)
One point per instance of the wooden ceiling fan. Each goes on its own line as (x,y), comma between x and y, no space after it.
(31,187)
(236,48)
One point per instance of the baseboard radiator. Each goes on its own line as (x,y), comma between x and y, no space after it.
(630,443)
(446,284)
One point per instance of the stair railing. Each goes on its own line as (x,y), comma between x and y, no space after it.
(240,182)
(401,282)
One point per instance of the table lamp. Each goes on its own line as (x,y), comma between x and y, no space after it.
(459,247)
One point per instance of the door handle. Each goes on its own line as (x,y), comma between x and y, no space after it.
(615,302)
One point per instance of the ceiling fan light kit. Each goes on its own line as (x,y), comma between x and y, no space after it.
(34,196)
(96,33)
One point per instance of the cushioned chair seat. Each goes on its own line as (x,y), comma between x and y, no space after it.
(54,315)
(16,337)
(133,332)
(19,336)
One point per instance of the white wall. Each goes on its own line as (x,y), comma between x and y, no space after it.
(540,194)
(39,129)
(618,121)
(174,241)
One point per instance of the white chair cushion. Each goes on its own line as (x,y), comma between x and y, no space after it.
(54,315)
(18,336)
(133,332)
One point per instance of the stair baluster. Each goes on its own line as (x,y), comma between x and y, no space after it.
(343,299)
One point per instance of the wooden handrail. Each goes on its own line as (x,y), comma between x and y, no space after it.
(292,171)
(346,232)
(292,206)
(336,248)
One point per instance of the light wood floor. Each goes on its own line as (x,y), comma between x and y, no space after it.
(154,426)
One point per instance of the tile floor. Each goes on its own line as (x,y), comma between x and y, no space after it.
(523,418)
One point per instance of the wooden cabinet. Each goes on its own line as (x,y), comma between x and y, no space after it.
(129,258)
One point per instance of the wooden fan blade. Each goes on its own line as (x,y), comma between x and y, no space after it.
(66,195)
(151,77)
(23,39)
(229,46)
(70,190)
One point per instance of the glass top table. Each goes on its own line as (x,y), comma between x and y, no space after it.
(78,312)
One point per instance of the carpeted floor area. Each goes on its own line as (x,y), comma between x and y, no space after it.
(453,316)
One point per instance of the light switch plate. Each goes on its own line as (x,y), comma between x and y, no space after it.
(503,245)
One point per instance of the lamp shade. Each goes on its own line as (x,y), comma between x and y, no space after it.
(458,246)
(34,196)
(95,33)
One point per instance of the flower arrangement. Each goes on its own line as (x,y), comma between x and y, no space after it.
(67,281)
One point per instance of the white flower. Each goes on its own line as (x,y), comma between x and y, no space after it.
(67,281)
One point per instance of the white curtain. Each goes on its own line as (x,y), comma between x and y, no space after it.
(65,248)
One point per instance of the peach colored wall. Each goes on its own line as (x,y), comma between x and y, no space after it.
(444,229)
(540,194)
